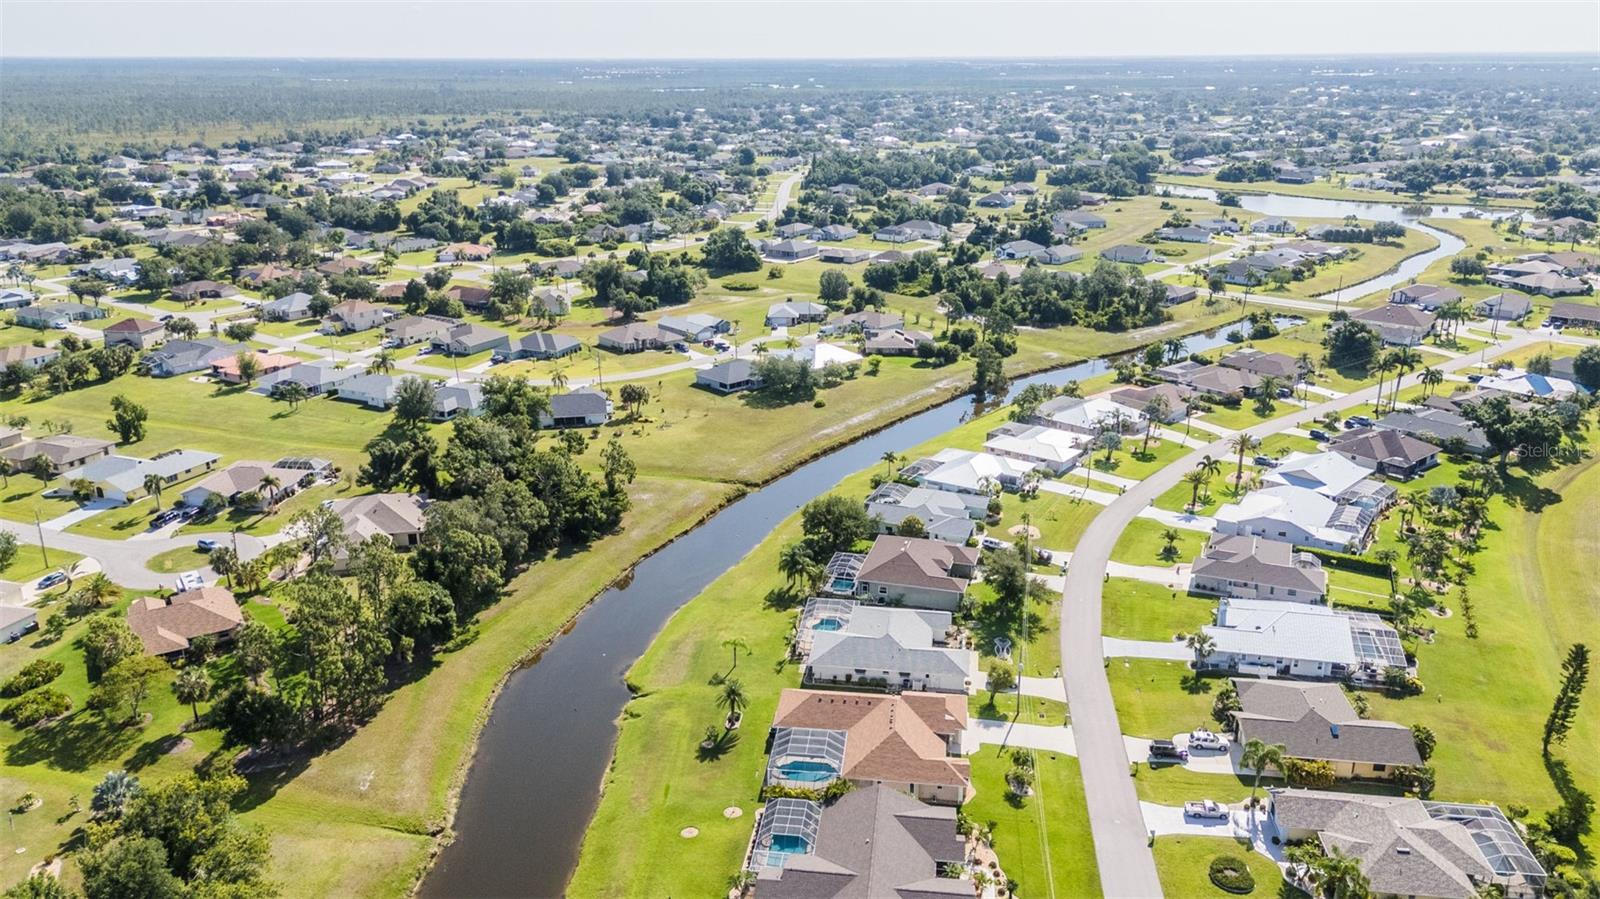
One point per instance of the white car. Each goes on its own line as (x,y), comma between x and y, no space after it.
(1205,808)
(993,543)
(1205,739)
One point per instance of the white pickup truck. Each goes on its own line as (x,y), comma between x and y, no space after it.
(1205,808)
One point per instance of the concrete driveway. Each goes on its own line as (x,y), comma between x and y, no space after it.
(982,732)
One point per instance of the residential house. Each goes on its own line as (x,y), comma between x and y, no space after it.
(1299,516)
(248,484)
(789,250)
(1563,315)
(204,290)
(1222,382)
(896,343)
(845,643)
(15,621)
(139,333)
(397,516)
(1276,365)
(1019,249)
(317,376)
(62,453)
(344,265)
(787,315)
(1138,400)
(869,322)
(1131,254)
(551,301)
(1335,476)
(228,370)
(728,377)
(413,329)
(1273,225)
(974,476)
(1396,324)
(835,233)
(843,255)
(1185,234)
(180,357)
(1077,220)
(794,230)
(1179,293)
(583,408)
(376,391)
(544,345)
(944,516)
(1314,722)
(166,625)
(57,316)
(1436,426)
(475,298)
(291,307)
(694,327)
(467,339)
(1391,453)
(635,337)
(875,842)
(916,572)
(1267,638)
(122,271)
(1530,384)
(1060,254)
(997,201)
(1506,307)
(122,478)
(454,400)
(16,298)
(908,742)
(352,316)
(1051,449)
(1256,568)
(1410,847)
(1430,297)
(1087,415)
(27,355)
(465,252)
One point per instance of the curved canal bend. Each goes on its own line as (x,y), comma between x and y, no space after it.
(535,778)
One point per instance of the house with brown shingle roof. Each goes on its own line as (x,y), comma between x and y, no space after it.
(165,626)
(910,742)
(139,333)
(911,571)
(1315,722)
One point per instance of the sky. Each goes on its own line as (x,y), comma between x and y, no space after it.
(793,29)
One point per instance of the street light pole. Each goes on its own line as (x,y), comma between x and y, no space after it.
(42,551)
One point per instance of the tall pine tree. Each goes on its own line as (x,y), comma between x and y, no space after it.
(1574,677)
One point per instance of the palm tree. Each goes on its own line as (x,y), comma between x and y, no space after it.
(1339,876)
(1241,443)
(1169,545)
(193,687)
(382,363)
(269,485)
(1203,646)
(1308,370)
(796,564)
(558,379)
(733,699)
(1196,479)
(1156,410)
(889,458)
(1389,557)
(152,486)
(1431,378)
(1385,365)
(1406,360)
(99,590)
(736,644)
(1261,756)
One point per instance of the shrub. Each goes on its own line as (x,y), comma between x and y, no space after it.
(1316,775)
(36,673)
(1232,875)
(738,285)
(36,706)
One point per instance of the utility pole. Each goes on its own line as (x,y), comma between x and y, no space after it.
(1337,292)
(42,551)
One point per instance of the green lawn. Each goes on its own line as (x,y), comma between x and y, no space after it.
(1134,461)
(1042,841)
(1245,414)
(1184,865)
(1137,610)
(1157,699)
(30,562)
(1004,706)
(173,561)
(1060,520)
(1141,543)
(23,499)
(1177,498)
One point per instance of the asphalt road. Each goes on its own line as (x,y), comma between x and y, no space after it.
(1121,842)
(124,560)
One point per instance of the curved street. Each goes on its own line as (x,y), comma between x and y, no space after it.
(1121,840)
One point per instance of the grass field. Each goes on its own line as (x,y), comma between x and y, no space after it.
(1141,543)
(1183,863)
(1137,610)
(1012,707)
(1157,699)
(1043,841)
(1327,191)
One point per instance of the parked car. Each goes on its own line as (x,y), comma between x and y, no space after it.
(681,347)
(1473,379)
(1317,434)
(992,543)
(206,544)
(1043,556)
(165,518)
(1357,421)
(1205,808)
(1166,750)
(52,579)
(1205,739)
(1265,461)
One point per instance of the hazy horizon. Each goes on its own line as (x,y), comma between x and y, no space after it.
(827,30)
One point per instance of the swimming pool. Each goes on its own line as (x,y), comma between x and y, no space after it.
(828,624)
(844,585)
(807,772)
(789,844)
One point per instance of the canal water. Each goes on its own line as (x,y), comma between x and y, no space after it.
(535,779)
